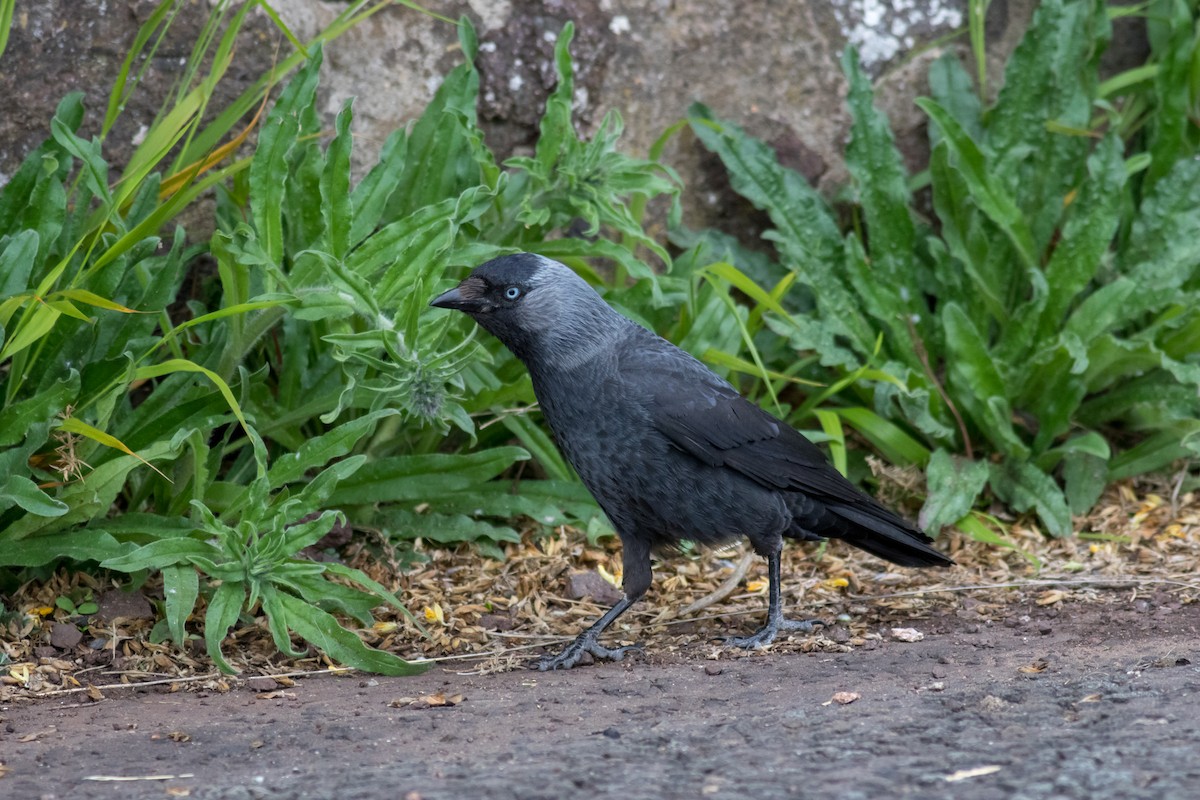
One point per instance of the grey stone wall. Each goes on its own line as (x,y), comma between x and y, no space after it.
(771,65)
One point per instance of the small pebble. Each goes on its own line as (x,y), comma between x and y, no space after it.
(65,636)
(713,669)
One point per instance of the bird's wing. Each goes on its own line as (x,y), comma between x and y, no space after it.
(705,417)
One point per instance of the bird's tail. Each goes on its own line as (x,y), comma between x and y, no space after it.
(881,533)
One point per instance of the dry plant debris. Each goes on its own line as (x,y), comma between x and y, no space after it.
(497,615)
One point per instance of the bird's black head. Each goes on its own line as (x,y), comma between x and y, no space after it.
(495,288)
(540,309)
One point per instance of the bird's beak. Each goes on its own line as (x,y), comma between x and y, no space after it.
(451,299)
(470,296)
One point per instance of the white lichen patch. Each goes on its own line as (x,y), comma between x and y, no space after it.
(620,24)
(493,14)
(881,29)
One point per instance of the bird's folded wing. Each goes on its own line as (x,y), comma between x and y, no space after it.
(709,420)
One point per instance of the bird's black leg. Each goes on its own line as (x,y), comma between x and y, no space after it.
(775,621)
(635,559)
(588,642)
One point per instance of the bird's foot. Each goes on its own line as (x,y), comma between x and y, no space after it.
(767,633)
(585,643)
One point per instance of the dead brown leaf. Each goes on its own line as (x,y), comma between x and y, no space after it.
(438,700)
(1038,665)
(907,634)
(1051,597)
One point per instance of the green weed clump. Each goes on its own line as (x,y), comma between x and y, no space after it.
(309,382)
(1038,335)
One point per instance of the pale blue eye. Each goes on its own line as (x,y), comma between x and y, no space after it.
(512,293)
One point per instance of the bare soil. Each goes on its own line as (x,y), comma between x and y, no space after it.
(1092,701)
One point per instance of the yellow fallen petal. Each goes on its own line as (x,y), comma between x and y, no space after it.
(756,585)
(608,576)
(434,614)
(835,583)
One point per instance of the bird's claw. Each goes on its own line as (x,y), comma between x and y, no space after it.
(574,652)
(767,633)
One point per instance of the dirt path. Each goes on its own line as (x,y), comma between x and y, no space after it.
(1087,701)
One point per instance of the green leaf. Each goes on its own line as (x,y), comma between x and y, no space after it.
(1087,234)
(336,206)
(422,477)
(77,545)
(362,579)
(1024,487)
(450,529)
(94,169)
(1102,310)
(832,425)
(951,88)
(16,263)
(174,365)
(1164,242)
(17,419)
(954,484)
(300,535)
(1085,475)
(1174,51)
(223,609)
(411,240)
(36,323)
(976,382)
(895,445)
(972,525)
(320,450)
(881,182)
(1050,77)
(181,588)
(20,491)
(162,553)
(555,127)
(370,196)
(805,233)
(323,631)
(279,619)
(991,198)
(440,163)
(90,498)
(269,167)
(6,15)
(1173,442)
(547,502)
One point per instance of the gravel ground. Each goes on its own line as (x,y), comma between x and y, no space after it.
(1086,700)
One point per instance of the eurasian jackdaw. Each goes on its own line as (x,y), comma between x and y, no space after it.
(669,450)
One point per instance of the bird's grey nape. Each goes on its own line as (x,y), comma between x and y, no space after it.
(571,321)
